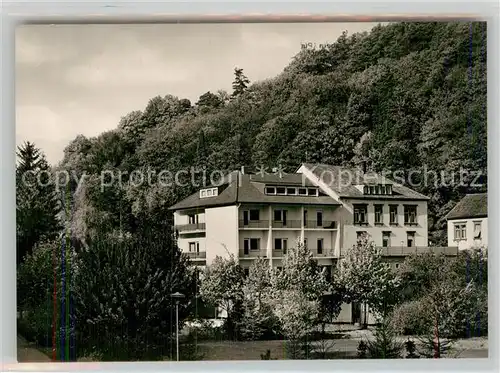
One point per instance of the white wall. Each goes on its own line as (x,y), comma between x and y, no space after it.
(469,242)
(398,232)
(253,233)
(221,232)
(184,240)
(182,217)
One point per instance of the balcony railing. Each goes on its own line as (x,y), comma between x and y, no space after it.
(325,224)
(190,227)
(253,253)
(262,224)
(196,255)
(325,253)
(406,251)
(288,224)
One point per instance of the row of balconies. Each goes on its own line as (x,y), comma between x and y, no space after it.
(288,224)
(264,224)
(326,253)
(393,251)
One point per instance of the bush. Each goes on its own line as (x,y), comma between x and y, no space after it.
(410,348)
(362,350)
(36,326)
(384,345)
(205,330)
(411,318)
(266,356)
(428,348)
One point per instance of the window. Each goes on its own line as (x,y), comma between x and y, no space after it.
(366,190)
(291,191)
(254,215)
(477,230)
(360,212)
(410,239)
(209,193)
(410,215)
(388,189)
(382,189)
(251,244)
(277,215)
(460,231)
(319,218)
(194,247)
(247,271)
(193,219)
(372,189)
(397,265)
(302,192)
(281,190)
(386,239)
(320,246)
(305,218)
(280,244)
(393,213)
(203,193)
(312,192)
(379,214)
(270,190)
(254,244)
(280,216)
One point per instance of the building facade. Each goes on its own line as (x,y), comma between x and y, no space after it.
(325,207)
(467,222)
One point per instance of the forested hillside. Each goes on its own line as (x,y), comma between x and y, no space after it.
(413,94)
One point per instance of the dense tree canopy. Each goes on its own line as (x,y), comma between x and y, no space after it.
(417,89)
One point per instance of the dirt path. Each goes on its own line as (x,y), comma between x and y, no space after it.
(27,354)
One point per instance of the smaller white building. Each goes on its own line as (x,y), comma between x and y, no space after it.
(468,222)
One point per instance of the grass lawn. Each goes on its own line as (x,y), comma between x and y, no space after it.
(252,350)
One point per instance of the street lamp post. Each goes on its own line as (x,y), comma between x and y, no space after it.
(177,296)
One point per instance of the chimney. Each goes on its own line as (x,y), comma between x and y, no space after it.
(364,166)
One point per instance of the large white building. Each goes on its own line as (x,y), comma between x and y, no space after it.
(468,222)
(326,207)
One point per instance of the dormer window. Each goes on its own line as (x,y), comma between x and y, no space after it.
(210,192)
(312,192)
(377,189)
(291,191)
(270,190)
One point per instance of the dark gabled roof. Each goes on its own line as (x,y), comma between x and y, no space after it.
(343,181)
(244,188)
(471,206)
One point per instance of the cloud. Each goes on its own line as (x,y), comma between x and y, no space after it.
(81,79)
(141,68)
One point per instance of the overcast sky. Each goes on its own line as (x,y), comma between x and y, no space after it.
(81,79)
